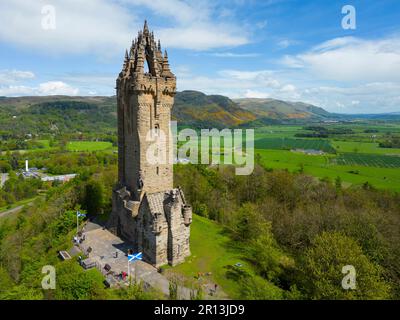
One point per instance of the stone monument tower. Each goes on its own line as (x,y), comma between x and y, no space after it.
(147,210)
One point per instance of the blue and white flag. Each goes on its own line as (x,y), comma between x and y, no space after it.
(80,214)
(135,256)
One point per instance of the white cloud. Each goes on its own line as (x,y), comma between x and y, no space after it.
(352,59)
(239,84)
(201,37)
(288,88)
(292,62)
(95,26)
(105,27)
(256,94)
(285,43)
(262,24)
(371,97)
(259,77)
(200,25)
(11,76)
(43,89)
(348,74)
(233,55)
(183,12)
(57,88)
(374,97)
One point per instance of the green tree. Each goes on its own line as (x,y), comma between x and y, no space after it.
(249,223)
(94,197)
(74,283)
(266,255)
(322,267)
(338,183)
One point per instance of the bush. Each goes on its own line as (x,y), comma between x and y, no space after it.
(74,283)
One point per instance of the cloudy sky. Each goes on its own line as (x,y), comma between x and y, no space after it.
(286,49)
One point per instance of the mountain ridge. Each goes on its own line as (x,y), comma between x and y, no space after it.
(279,109)
(191,108)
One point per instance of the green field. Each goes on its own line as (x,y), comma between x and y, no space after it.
(322,167)
(277,131)
(289,143)
(363,147)
(368,160)
(211,251)
(355,157)
(88,145)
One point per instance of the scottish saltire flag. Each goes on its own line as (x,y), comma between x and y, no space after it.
(135,256)
(80,214)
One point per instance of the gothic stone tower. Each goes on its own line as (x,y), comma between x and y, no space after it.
(147,210)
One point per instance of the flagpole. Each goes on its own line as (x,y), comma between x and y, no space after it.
(129,271)
(77,223)
(136,272)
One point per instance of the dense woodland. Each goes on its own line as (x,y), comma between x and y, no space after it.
(300,232)
(297,231)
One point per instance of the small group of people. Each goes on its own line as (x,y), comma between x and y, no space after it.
(122,276)
(79,238)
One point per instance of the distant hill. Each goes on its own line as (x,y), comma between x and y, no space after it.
(392,116)
(57,114)
(197,108)
(278,109)
(97,115)
(65,114)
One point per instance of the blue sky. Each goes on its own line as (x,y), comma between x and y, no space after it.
(294,50)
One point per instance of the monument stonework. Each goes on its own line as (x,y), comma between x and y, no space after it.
(147,211)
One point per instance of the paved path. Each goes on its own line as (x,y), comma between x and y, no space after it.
(10,211)
(105,245)
(16,209)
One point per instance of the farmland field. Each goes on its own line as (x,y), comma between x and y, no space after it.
(355,157)
(322,167)
(368,160)
(277,131)
(289,143)
(363,147)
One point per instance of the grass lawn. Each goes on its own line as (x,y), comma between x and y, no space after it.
(211,251)
(46,145)
(88,145)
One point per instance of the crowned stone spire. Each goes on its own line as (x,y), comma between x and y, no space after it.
(147,210)
(125,60)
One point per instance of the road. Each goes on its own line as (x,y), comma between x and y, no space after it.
(14,210)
